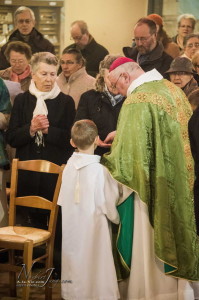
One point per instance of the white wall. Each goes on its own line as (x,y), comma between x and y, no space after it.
(110,22)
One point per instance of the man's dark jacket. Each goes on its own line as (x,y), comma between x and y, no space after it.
(93,54)
(193,127)
(36,41)
(157,58)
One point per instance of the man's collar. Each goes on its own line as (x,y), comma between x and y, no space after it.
(146,77)
(154,54)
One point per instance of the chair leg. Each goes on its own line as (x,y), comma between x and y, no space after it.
(27,258)
(49,264)
(12,275)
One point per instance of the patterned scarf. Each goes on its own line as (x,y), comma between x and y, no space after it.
(41,108)
(114,99)
(18,78)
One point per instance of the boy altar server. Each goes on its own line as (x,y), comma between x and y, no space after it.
(88,198)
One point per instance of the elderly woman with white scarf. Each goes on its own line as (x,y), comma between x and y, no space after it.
(39,128)
(41,120)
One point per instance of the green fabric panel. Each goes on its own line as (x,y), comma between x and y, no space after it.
(125,238)
(151,155)
(168,269)
(121,270)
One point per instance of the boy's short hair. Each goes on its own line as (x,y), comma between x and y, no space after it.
(83,134)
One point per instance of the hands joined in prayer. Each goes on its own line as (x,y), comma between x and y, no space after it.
(39,122)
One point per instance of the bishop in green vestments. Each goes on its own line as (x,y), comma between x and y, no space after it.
(151,155)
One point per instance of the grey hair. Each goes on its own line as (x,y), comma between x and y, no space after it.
(82,25)
(187,16)
(45,57)
(188,37)
(21,9)
(104,64)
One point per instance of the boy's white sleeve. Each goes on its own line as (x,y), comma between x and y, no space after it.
(111,195)
(115,194)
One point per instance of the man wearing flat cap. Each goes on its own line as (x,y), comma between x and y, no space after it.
(151,156)
(181,74)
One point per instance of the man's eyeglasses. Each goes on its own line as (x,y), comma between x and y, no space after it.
(114,85)
(21,21)
(76,38)
(196,45)
(141,39)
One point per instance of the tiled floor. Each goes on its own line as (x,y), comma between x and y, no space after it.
(36,293)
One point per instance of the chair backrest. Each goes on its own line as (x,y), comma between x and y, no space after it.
(42,166)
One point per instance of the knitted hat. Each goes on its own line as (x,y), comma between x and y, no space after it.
(156,18)
(119,61)
(181,64)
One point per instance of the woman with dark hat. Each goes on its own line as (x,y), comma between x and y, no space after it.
(181,74)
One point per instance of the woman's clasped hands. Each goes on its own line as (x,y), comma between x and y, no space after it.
(39,122)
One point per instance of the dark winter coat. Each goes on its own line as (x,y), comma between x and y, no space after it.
(36,41)
(194,141)
(97,107)
(57,149)
(157,58)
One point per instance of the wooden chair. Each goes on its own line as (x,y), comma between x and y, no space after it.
(26,238)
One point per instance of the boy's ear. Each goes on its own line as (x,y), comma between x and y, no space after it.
(96,140)
(72,144)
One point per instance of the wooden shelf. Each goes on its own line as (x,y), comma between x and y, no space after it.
(47,15)
(32,3)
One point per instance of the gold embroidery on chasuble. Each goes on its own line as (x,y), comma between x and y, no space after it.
(182,116)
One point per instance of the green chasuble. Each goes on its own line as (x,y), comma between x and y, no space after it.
(151,155)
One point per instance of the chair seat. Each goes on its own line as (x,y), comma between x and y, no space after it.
(21,234)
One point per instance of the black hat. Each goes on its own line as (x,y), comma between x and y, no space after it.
(181,64)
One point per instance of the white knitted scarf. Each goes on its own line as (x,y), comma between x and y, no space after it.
(41,108)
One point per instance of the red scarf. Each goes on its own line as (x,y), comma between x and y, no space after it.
(17,78)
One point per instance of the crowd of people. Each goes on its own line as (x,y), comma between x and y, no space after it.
(126,128)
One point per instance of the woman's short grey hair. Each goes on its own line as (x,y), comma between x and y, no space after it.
(43,57)
(188,37)
(187,16)
(21,9)
(104,64)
